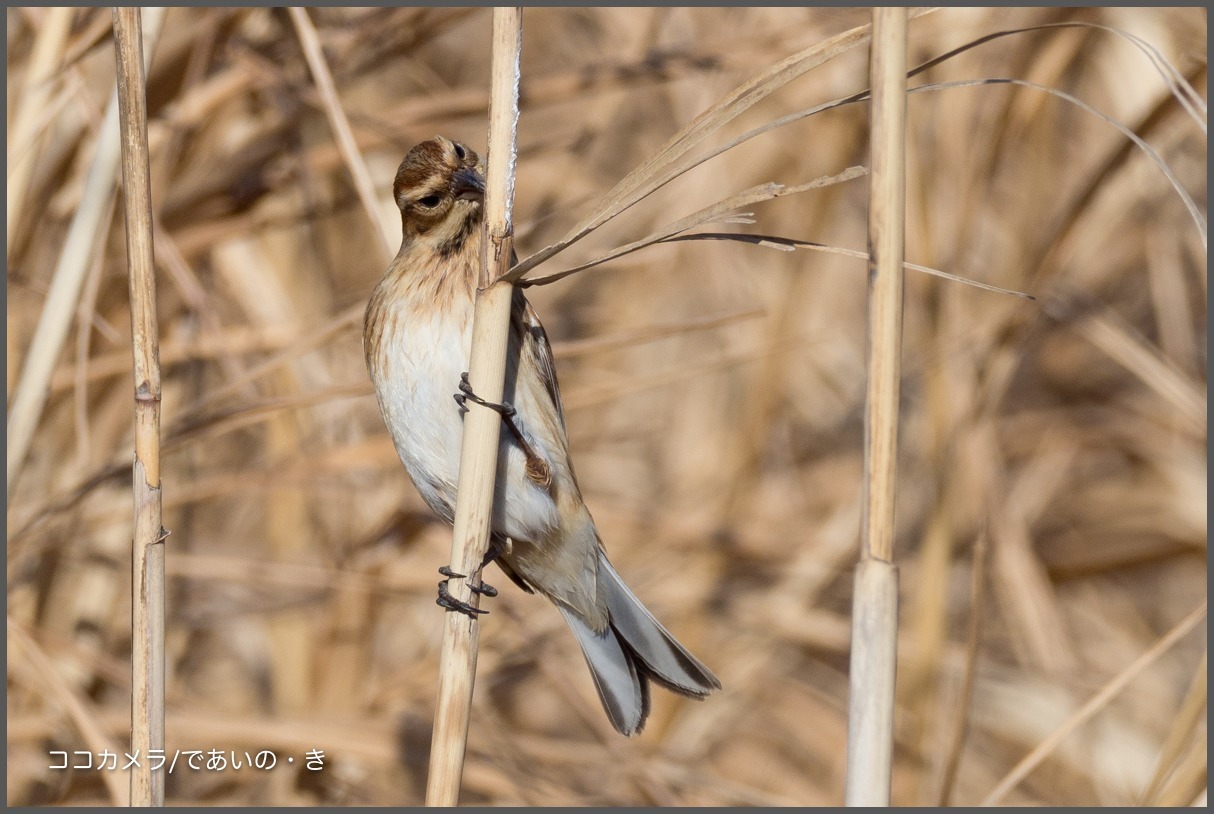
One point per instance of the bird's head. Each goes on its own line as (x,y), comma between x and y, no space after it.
(440,189)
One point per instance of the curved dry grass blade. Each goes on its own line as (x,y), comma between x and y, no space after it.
(1190,205)
(679,165)
(1178,86)
(791,244)
(863,95)
(656,171)
(1094,705)
(750,196)
(763,192)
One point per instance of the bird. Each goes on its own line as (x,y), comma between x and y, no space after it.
(417,338)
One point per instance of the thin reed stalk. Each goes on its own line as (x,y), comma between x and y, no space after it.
(875,602)
(482,426)
(29,399)
(147,561)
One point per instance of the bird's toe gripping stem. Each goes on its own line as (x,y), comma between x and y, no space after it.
(446,600)
(538,469)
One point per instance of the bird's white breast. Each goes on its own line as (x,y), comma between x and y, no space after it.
(415,384)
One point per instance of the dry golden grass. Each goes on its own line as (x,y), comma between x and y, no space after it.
(715,404)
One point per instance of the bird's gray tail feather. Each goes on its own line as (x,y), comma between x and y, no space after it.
(622,689)
(631,650)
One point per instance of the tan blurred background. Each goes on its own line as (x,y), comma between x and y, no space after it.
(714,394)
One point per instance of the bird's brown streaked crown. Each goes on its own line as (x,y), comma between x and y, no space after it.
(434,177)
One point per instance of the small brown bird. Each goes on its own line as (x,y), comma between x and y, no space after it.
(417,340)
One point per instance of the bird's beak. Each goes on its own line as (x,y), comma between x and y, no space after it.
(468,184)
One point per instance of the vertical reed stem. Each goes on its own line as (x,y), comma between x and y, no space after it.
(59,309)
(482,426)
(875,606)
(147,561)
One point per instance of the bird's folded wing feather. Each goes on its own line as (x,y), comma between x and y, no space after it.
(535,348)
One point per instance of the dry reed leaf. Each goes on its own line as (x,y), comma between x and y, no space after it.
(660,168)
(715,213)
(81,713)
(1184,728)
(1094,704)
(1194,212)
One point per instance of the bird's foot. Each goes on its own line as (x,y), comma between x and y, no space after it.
(465,394)
(446,600)
(538,471)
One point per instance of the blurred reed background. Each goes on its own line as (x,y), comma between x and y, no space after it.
(714,394)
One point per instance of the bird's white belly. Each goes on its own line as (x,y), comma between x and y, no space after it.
(423,371)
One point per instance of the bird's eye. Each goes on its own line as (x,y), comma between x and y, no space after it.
(459,152)
(429,201)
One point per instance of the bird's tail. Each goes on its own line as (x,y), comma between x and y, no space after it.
(633,649)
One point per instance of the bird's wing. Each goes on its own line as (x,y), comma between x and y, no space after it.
(534,344)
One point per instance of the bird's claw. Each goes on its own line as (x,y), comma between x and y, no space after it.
(484,589)
(465,394)
(538,471)
(446,600)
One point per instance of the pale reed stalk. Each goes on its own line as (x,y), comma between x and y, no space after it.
(482,426)
(147,561)
(875,605)
(59,310)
